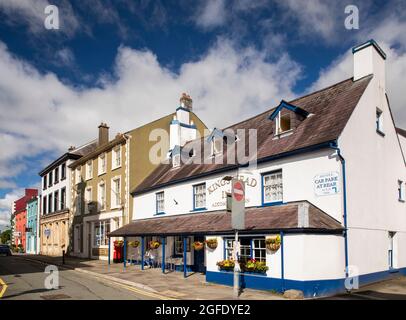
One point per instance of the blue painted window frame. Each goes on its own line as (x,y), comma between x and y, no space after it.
(194,197)
(156,203)
(225,239)
(272,203)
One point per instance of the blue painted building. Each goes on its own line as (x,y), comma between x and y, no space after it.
(32,223)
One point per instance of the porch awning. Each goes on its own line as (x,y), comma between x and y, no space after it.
(295,216)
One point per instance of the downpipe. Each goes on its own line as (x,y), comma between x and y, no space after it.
(342,160)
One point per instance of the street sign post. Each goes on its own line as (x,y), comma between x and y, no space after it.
(238,223)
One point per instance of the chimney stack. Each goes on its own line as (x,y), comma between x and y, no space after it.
(103,134)
(369,59)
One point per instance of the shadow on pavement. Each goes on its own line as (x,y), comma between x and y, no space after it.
(369,295)
(28,292)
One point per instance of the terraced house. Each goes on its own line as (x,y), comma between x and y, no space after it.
(55,202)
(102,179)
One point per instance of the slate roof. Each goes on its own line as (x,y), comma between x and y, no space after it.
(257,220)
(74,155)
(330,110)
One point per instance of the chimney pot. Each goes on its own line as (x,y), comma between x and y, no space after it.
(186,101)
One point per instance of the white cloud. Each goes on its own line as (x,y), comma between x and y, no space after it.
(391,37)
(212,14)
(316,17)
(6,205)
(48,116)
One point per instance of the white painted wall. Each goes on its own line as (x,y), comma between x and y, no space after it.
(58,186)
(374,165)
(298,177)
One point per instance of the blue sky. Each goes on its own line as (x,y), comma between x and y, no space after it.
(127,62)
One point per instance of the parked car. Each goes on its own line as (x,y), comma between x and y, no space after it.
(5,250)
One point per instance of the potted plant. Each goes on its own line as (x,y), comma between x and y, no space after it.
(211,243)
(154,244)
(226,265)
(198,245)
(134,244)
(273,243)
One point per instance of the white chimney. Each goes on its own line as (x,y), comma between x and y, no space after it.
(369,59)
(182,128)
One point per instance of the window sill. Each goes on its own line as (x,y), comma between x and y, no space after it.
(271,204)
(198,210)
(101,173)
(402,200)
(380,132)
(115,168)
(159,214)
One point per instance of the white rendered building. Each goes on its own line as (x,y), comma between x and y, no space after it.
(328,189)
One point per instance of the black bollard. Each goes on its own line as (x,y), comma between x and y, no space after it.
(63,256)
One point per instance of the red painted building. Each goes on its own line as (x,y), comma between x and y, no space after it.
(20,213)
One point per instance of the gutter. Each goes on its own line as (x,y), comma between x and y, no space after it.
(334,146)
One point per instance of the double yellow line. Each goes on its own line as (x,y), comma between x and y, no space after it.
(3,287)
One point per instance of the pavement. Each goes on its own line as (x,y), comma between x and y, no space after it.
(102,281)
(150,283)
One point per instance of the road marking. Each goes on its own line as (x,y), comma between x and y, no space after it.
(3,287)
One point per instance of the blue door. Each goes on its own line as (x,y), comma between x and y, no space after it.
(199,258)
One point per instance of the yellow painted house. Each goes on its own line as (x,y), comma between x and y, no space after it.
(102,180)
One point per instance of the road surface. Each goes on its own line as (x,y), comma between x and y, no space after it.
(25,280)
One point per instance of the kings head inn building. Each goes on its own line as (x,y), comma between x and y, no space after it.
(324,179)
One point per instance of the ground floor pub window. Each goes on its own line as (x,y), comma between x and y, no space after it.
(101,230)
(179,245)
(245,249)
(259,249)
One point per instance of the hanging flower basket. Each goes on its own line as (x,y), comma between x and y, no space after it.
(211,243)
(197,245)
(273,243)
(134,244)
(154,245)
(118,243)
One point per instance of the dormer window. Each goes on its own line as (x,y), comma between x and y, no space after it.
(283,123)
(289,120)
